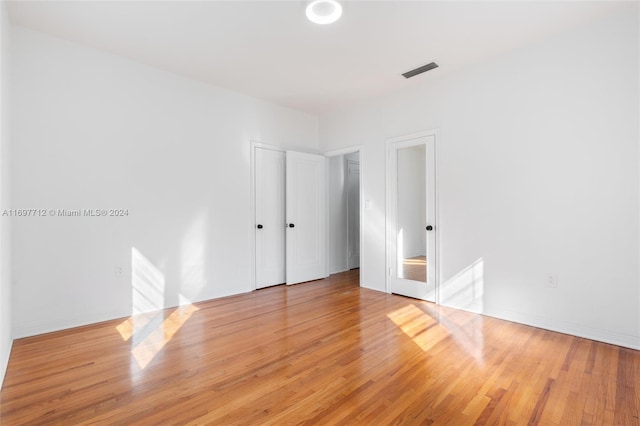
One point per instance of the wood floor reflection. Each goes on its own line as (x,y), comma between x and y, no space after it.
(415,268)
(326,352)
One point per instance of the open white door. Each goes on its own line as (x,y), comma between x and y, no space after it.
(411,210)
(270,217)
(306,217)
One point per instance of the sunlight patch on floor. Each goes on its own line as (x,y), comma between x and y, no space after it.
(133,325)
(423,329)
(145,350)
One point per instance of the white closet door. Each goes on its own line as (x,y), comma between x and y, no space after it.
(270,217)
(305,213)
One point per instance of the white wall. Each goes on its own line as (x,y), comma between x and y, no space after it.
(538,173)
(96,131)
(5,195)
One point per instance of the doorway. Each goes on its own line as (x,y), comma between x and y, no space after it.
(344,182)
(353,210)
(411,216)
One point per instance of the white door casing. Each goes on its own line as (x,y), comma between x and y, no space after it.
(395,283)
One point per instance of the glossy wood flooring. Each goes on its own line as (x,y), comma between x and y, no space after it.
(323,353)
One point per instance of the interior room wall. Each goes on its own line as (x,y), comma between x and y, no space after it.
(538,175)
(5,194)
(96,131)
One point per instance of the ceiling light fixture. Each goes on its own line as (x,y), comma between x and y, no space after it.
(324,11)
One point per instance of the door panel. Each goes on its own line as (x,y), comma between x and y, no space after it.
(412,217)
(270,217)
(305,213)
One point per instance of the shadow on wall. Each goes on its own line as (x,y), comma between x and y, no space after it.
(147,284)
(373,228)
(465,290)
(192,261)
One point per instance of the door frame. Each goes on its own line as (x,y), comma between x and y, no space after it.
(335,153)
(390,238)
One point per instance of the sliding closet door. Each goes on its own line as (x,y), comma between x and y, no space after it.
(306,217)
(270,217)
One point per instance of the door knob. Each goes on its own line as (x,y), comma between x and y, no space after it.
(259,226)
(429,227)
(291,225)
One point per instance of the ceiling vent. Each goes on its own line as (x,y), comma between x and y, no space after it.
(420,70)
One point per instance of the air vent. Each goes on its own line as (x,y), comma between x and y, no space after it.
(420,70)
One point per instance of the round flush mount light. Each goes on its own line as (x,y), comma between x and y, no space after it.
(324,11)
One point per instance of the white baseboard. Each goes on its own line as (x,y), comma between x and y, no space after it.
(37,327)
(4,363)
(578,330)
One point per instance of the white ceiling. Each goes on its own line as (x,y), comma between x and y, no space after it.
(269,50)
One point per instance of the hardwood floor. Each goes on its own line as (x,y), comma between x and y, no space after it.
(326,352)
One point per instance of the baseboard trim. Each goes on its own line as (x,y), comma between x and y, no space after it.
(578,330)
(37,328)
(5,364)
